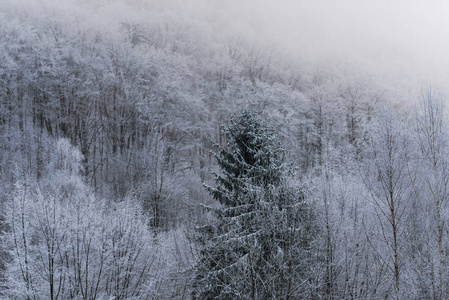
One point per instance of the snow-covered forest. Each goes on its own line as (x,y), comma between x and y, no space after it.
(180,150)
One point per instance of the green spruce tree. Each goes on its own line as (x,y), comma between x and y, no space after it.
(256,248)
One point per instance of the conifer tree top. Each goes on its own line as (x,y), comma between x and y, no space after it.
(252,157)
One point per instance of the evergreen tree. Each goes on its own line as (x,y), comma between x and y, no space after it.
(252,159)
(255,249)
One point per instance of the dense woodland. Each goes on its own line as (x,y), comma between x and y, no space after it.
(149,154)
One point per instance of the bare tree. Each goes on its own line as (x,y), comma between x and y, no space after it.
(433,187)
(389,187)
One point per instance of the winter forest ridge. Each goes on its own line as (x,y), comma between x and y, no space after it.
(170,150)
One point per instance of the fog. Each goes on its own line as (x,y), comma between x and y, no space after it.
(414,33)
(402,43)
